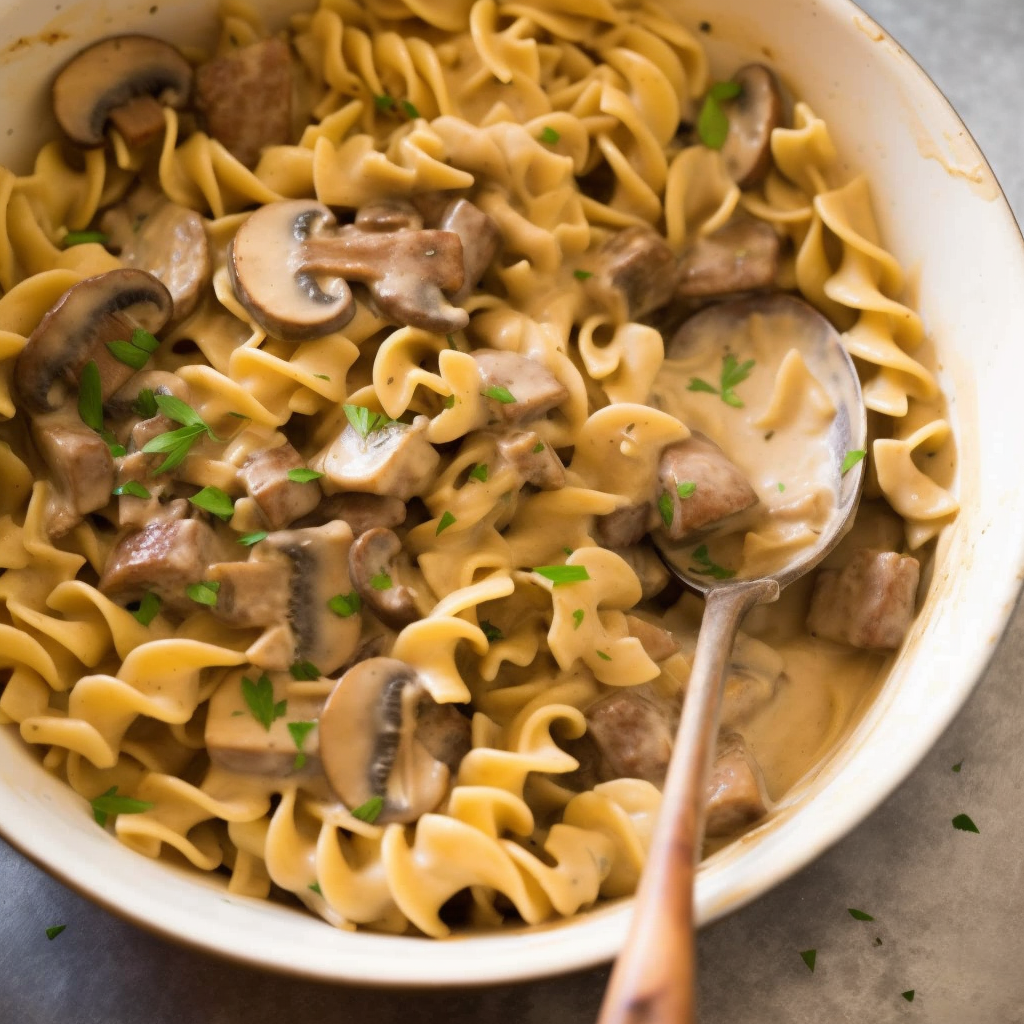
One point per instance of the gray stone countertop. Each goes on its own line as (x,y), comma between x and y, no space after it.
(948,906)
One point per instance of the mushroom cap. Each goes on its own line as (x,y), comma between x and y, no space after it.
(90,313)
(369,745)
(753,116)
(373,553)
(269,278)
(111,73)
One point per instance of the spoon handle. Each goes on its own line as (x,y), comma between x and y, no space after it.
(653,979)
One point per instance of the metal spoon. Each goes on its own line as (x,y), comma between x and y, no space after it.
(654,977)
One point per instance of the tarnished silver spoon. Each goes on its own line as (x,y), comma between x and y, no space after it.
(654,977)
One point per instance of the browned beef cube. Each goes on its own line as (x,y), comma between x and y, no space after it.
(534,388)
(633,736)
(251,593)
(736,795)
(635,273)
(869,603)
(480,239)
(282,501)
(657,642)
(743,256)
(624,527)
(362,512)
(533,459)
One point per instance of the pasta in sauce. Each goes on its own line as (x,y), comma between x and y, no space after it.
(271,479)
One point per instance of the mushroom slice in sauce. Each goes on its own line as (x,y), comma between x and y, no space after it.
(406,271)
(395,460)
(753,116)
(869,603)
(253,594)
(535,390)
(125,79)
(533,459)
(377,731)
(75,330)
(246,98)
(624,527)
(81,470)
(658,643)
(633,734)
(743,256)
(362,512)
(720,492)
(165,557)
(280,500)
(752,677)
(480,241)
(634,274)
(373,562)
(736,795)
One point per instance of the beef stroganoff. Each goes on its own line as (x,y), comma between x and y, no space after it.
(337,420)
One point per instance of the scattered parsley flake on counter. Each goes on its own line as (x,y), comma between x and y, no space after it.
(299,731)
(303,475)
(446,520)
(708,567)
(110,803)
(145,404)
(908,995)
(253,538)
(305,672)
(203,592)
(958,766)
(83,237)
(370,811)
(90,396)
(713,122)
(491,631)
(479,472)
(550,136)
(878,941)
(560,575)
(383,102)
(851,459)
(582,275)
(149,608)
(964,824)
(577,618)
(315,886)
(213,499)
(54,930)
(345,605)
(686,489)
(363,421)
(538,448)
(132,488)
(809,956)
(603,656)
(259,697)
(666,509)
(859,915)
(382,581)
(499,394)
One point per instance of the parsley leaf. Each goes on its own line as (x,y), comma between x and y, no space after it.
(964,824)
(708,567)
(491,631)
(809,956)
(345,605)
(315,886)
(110,803)
(958,766)
(410,110)
(253,538)
(149,608)
(446,520)
(125,352)
(499,394)
(383,102)
(214,500)
(699,384)
(305,671)
(687,489)
(54,930)
(259,697)
(859,915)
(908,995)
(370,811)
(299,731)
(538,448)
(90,396)
(713,122)
(363,421)
(666,509)
(733,373)
(577,618)
(603,656)
(82,237)
(479,472)
(176,444)
(549,136)
(203,592)
(851,459)
(132,488)
(145,404)
(560,575)
(303,475)
(382,581)
(582,275)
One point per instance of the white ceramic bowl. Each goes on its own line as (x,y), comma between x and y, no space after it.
(941,212)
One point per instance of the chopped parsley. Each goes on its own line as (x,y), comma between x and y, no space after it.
(176,444)
(449,402)
(686,489)
(560,575)
(132,488)
(666,509)
(299,731)
(90,396)
(781,486)
(315,886)
(851,459)
(549,136)
(964,824)
(259,697)
(54,930)
(253,538)
(370,811)
(203,592)
(859,915)
(908,995)
(410,110)
(345,605)
(149,608)
(451,342)
(499,394)
(110,803)
(305,671)
(491,631)
(145,404)
(303,475)
(708,567)
(364,422)
(809,956)
(733,373)
(213,499)
(134,353)
(479,472)
(446,520)
(582,275)
(321,376)
(958,766)
(577,618)
(713,122)
(383,102)
(603,656)
(83,237)
(538,448)
(382,581)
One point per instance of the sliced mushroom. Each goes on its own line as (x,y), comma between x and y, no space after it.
(752,678)
(280,500)
(373,562)
(171,245)
(246,99)
(753,116)
(634,273)
(736,795)
(657,642)
(719,490)
(81,470)
(126,79)
(393,215)
(122,403)
(372,744)
(480,241)
(76,329)
(625,526)
(253,594)
(533,388)
(533,459)
(165,557)
(743,256)
(869,603)
(362,512)
(395,460)
(633,734)
(649,568)
(406,271)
